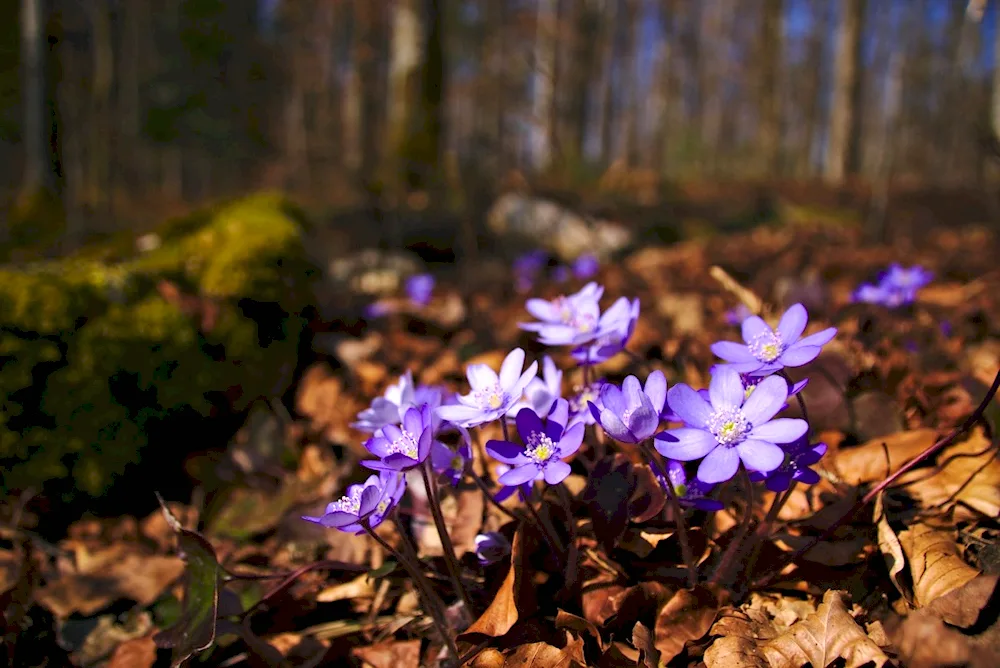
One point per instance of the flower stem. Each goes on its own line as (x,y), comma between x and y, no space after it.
(503,425)
(675,506)
(735,546)
(546,529)
(489,495)
(447,546)
(798,397)
(434,604)
(765,527)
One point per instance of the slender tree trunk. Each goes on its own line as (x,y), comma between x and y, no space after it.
(844,120)
(628,130)
(544,97)
(606,87)
(713,75)
(37,173)
(404,89)
(769,96)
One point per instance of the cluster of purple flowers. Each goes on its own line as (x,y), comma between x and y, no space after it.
(529,268)
(734,422)
(896,287)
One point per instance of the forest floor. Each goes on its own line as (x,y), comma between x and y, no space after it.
(903,575)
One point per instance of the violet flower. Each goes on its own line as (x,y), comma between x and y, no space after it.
(541,393)
(491,547)
(364,504)
(419,288)
(799,456)
(586,266)
(731,427)
(614,329)
(492,396)
(527,268)
(735,316)
(389,408)
(402,449)
(896,286)
(450,463)
(768,350)
(524,489)
(693,493)
(579,402)
(545,445)
(632,414)
(566,320)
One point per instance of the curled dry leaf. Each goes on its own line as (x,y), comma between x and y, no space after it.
(502,613)
(134,653)
(734,652)
(823,637)
(579,626)
(967,480)
(892,551)
(924,641)
(542,655)
(963,606)
(402,654)
(936,565)
(882,456)
(686,616)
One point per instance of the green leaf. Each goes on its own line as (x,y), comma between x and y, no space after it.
(382,571)
(194,631)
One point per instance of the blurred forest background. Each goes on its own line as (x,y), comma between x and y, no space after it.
(127,110)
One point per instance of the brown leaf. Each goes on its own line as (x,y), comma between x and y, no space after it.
(488,658)
(734,652)
(642,640)
(892,551)
(936,565)
(828,634)
(880,457)
(686,616)
(579,625)
(502,614)
(924,641)
(963,606)
(105,575)
(135,653)
(539,655)
(967,480)
(619,655)
(402,654)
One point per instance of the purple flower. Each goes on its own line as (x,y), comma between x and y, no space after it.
(566,320)
(799,456)
(586,266)
(523,490)
(693,493)
(389,408)
(419,288)
(614,329)
(527,267)
(896,286)
(737,315)
(364,504)
(541,393)
(376,309)
(402,449)
(632,414)
(579,403)
(560,274)
(767,350)
(448,463)
(731,427)
(544,447)
(491,547)
(492,396)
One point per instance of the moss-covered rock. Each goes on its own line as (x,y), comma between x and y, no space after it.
(94,349)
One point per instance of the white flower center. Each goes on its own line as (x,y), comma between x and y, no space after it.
(350,502)
(406,444)
(540,448)
(627,417)
(729,425)
(491,398)
(587,393)
(767,346)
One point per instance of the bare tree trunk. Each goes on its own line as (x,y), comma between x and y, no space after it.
(37,172)
(628,130)
(544,97)
(769,96)
(844,121)
(713,73)
(404,86)
(605,89)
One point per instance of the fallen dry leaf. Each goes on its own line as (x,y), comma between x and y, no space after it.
(924,641)
(502,613)
(134,653)
(892,551)
(936,565)
(539,655)
(104,575)
(361,587)
(686,616)
(402,654)
(825,636)
(734,652)
(962,607)
(880,457)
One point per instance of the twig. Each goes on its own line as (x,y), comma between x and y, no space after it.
(745,295)
(447,546)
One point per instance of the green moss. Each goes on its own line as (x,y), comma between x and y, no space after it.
(90,351)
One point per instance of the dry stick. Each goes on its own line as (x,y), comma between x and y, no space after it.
(749,299)
(409,560)
(736,544)
(874,492)
(675,506)
(449,548)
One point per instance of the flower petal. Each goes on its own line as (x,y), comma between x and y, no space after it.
(643,421)
(753,327)
(782,430)
(632,391)
(766,400)
(819,338)
(528,423)
(690,444)
(556,472)
(505,451)
(799,354)
(615,428)
(518,388)
(519,475)
(726,389)
(511,368)
(656,389)
(760,455)
(613,399)
(465,416)
(689,405)
(481,376)
(793,323)
(571,440)
(732,352)
(719,465)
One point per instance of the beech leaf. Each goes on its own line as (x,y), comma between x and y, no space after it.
(936,565)
(686,616)
(892,551)
(825,636)
(502,614)
(882,456)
